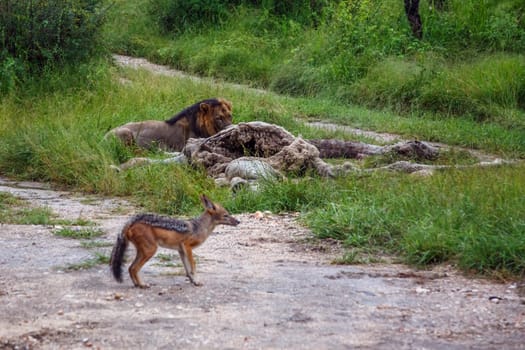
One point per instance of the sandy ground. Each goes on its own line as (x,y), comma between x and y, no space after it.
(267,285)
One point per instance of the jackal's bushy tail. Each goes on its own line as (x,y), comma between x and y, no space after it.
(117,256)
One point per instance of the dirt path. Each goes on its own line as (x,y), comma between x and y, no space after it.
(264,288)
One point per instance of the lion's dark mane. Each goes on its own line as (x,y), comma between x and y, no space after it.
(191,113)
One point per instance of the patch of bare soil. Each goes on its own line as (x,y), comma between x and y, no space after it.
(142,63)
(264,287)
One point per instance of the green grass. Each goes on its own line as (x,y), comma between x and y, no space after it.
(464,132)
(487,88)
(91,244)
(98,259)
(75,222)
(166,257)
(453,216)
(168,260)
(129,30)
(357,257)
(14,210)
(84,233)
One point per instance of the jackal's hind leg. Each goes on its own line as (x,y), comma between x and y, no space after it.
(145,250)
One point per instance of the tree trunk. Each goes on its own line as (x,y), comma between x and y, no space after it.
(412,12)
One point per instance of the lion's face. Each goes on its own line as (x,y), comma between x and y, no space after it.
(216,118)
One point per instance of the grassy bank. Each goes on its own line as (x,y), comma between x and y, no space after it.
(473,218)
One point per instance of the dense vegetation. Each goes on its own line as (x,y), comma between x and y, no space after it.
(463,84)
(40,35)
(470,60)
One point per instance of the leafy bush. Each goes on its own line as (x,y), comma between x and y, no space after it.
(179,15)
(361,39)
(485,25)
(10,70)
(303,11)
(42,33)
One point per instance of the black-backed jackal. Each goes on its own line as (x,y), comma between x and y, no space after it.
(148,231)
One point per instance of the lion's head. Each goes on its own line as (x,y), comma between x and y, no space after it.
(214,116)
(205,118)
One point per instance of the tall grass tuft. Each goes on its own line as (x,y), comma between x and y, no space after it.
(453,216)
(485,88)
(282,196)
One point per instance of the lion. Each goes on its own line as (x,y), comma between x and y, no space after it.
(201,120)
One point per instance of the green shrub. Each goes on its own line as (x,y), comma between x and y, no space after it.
(10,71)
(480,24)
(43,33)
(179,15)
(308,12)
(359,39)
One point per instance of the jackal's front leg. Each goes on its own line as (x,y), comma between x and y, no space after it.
(186,255)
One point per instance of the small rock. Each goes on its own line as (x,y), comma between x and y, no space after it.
(87,343)
(495,299)
(238,183)
(222,182)
(422,173)
(420,290)
(250,169)
(259,215)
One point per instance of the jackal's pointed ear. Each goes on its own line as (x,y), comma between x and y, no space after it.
(204,107)
(208,204)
